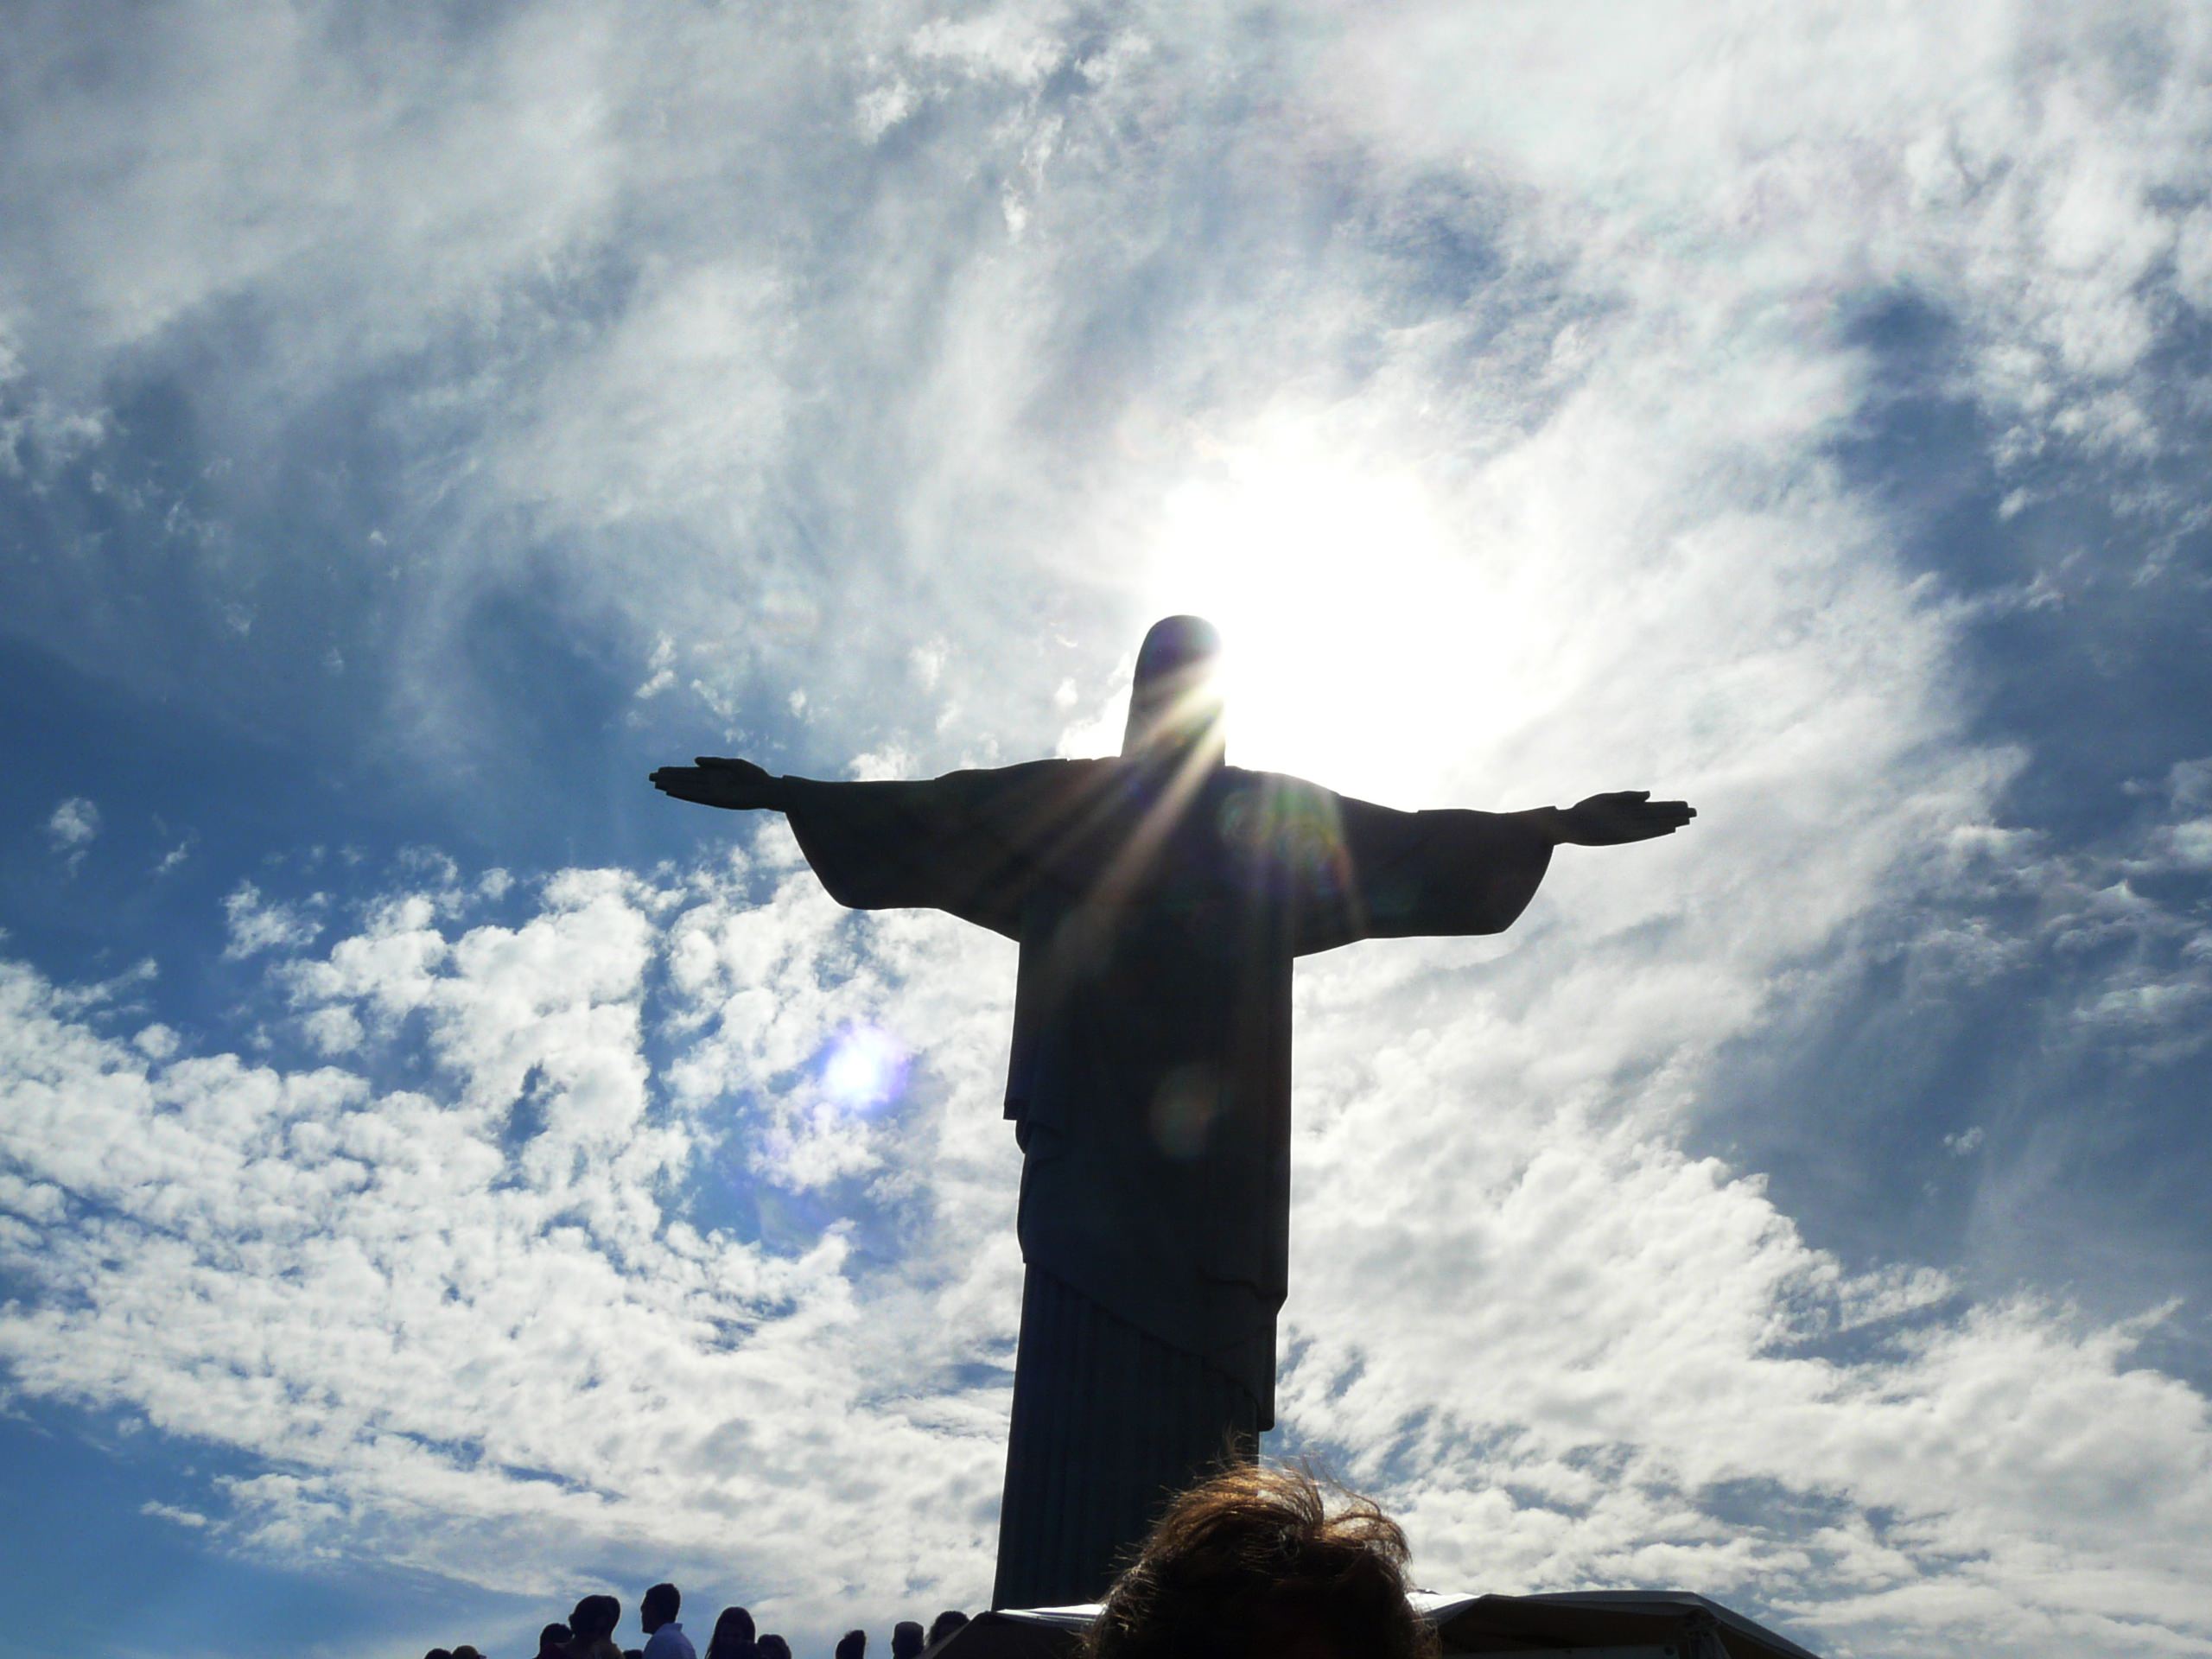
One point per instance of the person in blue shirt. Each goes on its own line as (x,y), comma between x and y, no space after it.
(665,1637)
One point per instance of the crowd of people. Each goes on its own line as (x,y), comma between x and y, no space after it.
(1255,1563)
(589,1634)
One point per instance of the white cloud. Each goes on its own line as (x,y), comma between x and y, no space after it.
(660,673)
(75,825)
(495,1321)
(189,1518)
(1431,230)
(2131,963)
(518,1249)
(257,925)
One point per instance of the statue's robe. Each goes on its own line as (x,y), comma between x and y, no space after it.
(1158,906)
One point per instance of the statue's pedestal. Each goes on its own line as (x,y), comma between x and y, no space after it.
(1616,1624)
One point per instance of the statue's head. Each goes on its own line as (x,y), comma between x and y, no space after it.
(1175,705)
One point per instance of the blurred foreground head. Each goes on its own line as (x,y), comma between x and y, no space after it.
(1256,1562)
(732,1638)
(661,1605)
(595,1616)
(945,1623)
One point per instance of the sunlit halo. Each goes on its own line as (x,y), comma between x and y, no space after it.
(1364,642)
(865,1069)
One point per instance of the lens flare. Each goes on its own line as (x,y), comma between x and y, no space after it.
(864,1069)
(1371,630)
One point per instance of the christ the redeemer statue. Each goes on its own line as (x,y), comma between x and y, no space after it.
(1159,899)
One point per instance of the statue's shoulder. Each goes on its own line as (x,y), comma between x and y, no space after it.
(1037,777)
(1027,795)
(1278,785)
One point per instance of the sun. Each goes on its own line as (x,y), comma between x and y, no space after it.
(1362,634)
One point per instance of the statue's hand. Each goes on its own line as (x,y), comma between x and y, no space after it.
(1626,814)
(715,781)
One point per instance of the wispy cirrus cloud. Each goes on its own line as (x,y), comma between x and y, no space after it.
(71,831)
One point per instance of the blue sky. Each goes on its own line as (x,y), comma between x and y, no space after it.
(425,1195)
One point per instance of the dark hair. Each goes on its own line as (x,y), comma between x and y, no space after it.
(1245,1558)
(852,1645)
(465,1651)
(774,1646)
(595,1616)
(906,1639)
(663,1599)
(438,1653)
(945,1623)
(732,1638)
(555,1636)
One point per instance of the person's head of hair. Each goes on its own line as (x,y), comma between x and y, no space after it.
(438,1653)
(945,1623)
(464,1651)
(595,1617)
(906,1639)
(774,1646)
(553,1642)
(660,1606)
(1255,1561)
(732,1638)
(852,1645)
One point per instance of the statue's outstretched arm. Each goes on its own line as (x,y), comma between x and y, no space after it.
(1610,820)
(716,780)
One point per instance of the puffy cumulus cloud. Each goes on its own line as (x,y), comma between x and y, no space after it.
(622,1269)
(483,1325)
(257,923)
(1605,1363)
(1572,1353)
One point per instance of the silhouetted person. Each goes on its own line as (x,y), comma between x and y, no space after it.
(906,1639)
(774,1646)
(1160,899)
(438,1653)
(853,1645)
(553,1642)
(656,1614)
(1252,1564)
(733,1636)
(592,1628)
(945,1623)
(464,1651)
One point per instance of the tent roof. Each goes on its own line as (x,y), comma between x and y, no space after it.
(1612,1619)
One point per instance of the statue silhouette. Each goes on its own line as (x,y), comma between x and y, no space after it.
(1160,899)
